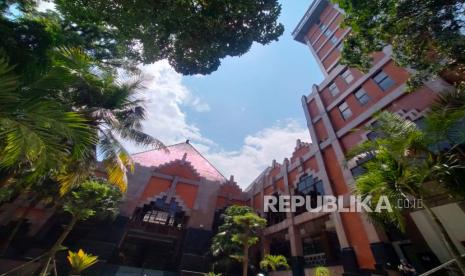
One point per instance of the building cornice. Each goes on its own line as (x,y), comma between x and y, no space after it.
(310,16)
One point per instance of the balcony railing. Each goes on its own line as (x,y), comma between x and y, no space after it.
(154,228)
(313,260)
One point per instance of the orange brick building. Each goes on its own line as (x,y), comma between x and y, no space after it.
(165,223)
(172,203)
(175,196)
(336,111)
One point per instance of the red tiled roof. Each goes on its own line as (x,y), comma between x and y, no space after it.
(156,158)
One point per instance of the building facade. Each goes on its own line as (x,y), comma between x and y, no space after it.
(337,111)
(175,196)
(166,220)
(171,205)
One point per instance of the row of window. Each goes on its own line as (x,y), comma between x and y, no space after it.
(309,185)
(348,78)
(383,81)
(328,33)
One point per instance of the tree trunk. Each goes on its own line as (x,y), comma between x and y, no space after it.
(13,233)
(58,244)
(446,239)
(245,263)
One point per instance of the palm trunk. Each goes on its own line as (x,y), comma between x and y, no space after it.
(59,243)
(13,233)
(245,263)
(446,239)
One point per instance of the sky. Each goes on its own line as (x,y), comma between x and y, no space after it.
(245,114)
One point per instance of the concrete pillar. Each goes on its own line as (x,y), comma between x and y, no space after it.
(266,242)
(295,240)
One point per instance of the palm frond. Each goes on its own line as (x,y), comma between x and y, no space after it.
(116,159)
(8,84)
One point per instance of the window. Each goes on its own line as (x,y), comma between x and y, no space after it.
(334,39)
(327,32)
(362,96)
(162,213)
(322,26)
(372,135)
(383,80)
(360,169)
(347,76)
(275,217)
(421,123)
(345,110)
(340,46)
(309,186)
(157,217)
(313,246)
(333,89)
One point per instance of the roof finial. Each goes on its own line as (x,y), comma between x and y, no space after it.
(187,141)
(184,157)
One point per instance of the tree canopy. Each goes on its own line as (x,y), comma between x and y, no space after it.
(426,35)
(239,232)
(193,35)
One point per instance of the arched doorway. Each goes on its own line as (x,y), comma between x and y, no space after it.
(154,235)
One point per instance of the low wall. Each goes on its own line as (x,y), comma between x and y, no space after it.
(333,270)
(280,273)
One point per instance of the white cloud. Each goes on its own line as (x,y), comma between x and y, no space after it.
(166,95)
(259,150)
(197,103)
(43,6)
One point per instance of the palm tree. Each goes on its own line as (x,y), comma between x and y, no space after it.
(405,165)
(111,107)
(36,132)
(273,262)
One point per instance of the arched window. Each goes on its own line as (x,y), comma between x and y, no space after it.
(309,186)
(275,217)
(162,213)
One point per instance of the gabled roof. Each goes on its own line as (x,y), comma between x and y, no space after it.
(178,152)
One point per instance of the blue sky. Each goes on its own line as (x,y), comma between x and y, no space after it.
(245,114)
(251,92)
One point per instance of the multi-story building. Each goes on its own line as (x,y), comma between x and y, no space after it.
(337,110)
(171,208)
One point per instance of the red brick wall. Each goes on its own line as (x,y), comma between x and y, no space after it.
(154,187)
(313,109)
(179,170)
(321,132)
(331,59)
(187,193)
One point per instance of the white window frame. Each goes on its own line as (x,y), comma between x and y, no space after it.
(347,76)
(333,89)
(344,108)
(383,80)
(362,96)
